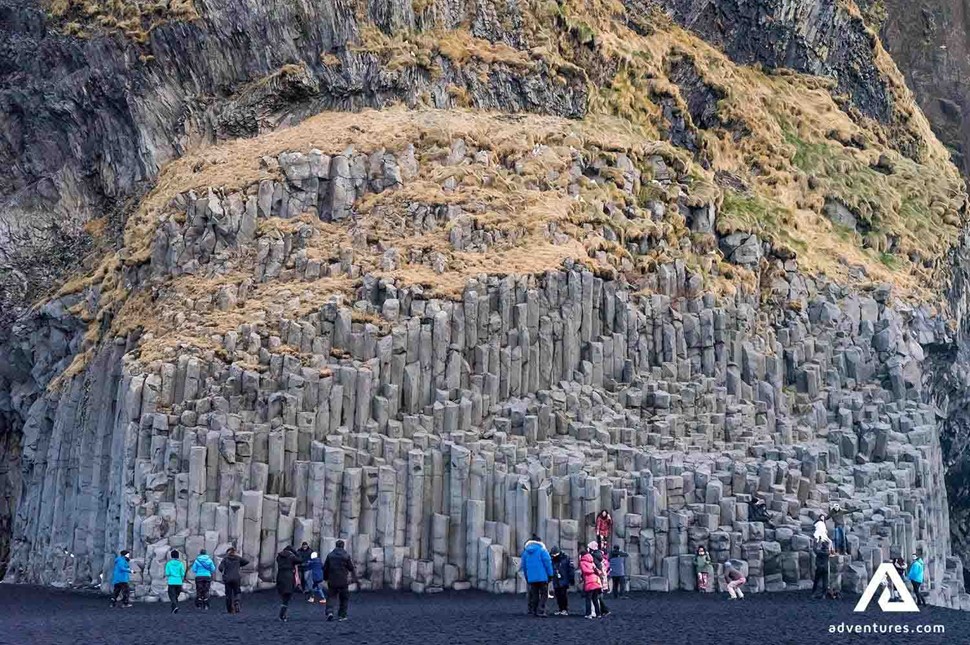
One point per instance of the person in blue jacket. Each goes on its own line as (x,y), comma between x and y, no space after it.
(121,579)
(563,575)
(915,575)
(536,566)
(314,575)
(203,568)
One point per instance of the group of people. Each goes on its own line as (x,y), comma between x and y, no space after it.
(296,569)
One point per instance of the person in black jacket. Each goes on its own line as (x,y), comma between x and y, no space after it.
(232,578)
(339,572)
(287,563)
(562,579)
(823,549)
(304,552)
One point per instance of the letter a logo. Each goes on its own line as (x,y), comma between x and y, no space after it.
(887,570)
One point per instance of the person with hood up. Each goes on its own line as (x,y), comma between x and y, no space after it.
(562,579)
(618,569)
(603,567)
(604,528)
(758,512)
(733,579)
(822,550)
(230,567)
(287,564)
(121,579)
(916,575)
(591,582)
(536,566)
(203,567)
(175,573)
(304,552)
(339,572)
(314,576)
(704,569)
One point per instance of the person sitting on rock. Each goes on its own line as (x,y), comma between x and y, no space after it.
(536,566)
(704,569)
(733,579)
(758,512)
(121,578)
(604,528)
(203,567)
(562,579)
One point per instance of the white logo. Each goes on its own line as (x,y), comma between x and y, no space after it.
(887,571)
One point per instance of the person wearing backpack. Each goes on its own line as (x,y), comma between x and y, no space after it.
(562,579)
(175,575)
(203,567)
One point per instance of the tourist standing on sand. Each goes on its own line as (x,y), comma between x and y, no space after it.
(591,581)
(305,552)
(733,579)
(618,569)
(603,568)
(820,584)
(287,564)
(900,565)
(203,567)
(703,568)
(562,579)
(121,578)
(916,575)
(314,576)
(339,572)
(604,528)
(230,567)
(175,574)
(536,566)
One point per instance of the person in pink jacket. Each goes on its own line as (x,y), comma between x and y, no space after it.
(592,582)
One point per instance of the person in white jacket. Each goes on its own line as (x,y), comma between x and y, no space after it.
(821,531)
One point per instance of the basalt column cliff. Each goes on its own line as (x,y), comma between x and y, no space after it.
(433,276)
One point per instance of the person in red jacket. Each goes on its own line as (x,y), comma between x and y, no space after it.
(592,583)
(604,528)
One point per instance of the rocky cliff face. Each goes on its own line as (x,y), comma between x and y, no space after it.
(579,258)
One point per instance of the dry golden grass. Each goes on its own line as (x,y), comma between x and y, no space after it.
(783,136)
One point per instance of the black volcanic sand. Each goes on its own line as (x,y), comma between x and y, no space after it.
(41,615)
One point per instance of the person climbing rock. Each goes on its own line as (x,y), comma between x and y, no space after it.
(604,528)
(536,566)
(618,570)
(733,579)
(820,583)
(203,567)
(339,572)
(315,578)
(703,568)
(230,567)
(838,515)
(175,575)
(287,566)
(121,579)
(562,579)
